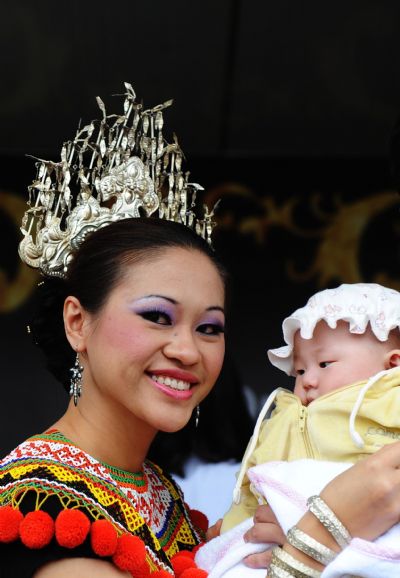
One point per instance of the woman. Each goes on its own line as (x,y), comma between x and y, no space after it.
(132,323)
(143,307)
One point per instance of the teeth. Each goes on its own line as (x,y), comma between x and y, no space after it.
(171,382)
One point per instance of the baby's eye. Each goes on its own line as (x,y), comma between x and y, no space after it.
(324,364)
(210,329)
(156,317)
(299,371)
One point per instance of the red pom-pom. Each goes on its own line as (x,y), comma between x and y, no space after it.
(181,562)
(199,519)
(10,519)
(36,529)
(194,573)
(160,574)
(72,528)
(103,537)
(184,553)
(131,555)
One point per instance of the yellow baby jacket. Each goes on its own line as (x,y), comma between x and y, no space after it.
(324,430)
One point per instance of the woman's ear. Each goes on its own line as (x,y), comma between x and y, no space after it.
(74,323)
(392,358)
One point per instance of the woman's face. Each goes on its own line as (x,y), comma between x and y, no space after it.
(155,349)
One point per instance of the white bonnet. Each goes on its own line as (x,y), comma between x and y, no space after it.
(357,303)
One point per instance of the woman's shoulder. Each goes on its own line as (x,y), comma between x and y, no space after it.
(48,446)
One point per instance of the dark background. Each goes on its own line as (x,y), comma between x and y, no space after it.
(284,110)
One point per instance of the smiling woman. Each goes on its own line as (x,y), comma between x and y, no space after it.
(152,352)
(142,307)
(131,321)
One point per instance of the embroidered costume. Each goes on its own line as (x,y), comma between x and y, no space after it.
(62,502)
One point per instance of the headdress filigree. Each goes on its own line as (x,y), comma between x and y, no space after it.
(115,168)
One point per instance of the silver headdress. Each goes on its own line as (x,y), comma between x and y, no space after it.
(115,168)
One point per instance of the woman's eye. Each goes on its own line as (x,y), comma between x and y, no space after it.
(210,329)
(156,317)
(324,364)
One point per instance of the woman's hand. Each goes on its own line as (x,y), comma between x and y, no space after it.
(214,531)
(366,497)
(265,530)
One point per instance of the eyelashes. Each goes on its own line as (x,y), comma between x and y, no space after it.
(211,328)
(157,316)
(161,317)
(321,364)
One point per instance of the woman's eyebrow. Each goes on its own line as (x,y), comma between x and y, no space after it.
(173,301)
(216,308)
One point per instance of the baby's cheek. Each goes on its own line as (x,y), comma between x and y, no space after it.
(297,388)
(301,394)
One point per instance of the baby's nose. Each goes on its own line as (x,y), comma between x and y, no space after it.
(310,379)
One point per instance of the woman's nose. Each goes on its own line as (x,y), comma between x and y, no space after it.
(183,347)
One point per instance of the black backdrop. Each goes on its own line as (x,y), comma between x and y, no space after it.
(284,110)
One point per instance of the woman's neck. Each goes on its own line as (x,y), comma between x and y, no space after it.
(120,442)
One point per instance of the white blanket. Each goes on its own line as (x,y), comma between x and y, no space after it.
(286,487)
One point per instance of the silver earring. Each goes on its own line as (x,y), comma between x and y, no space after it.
(75,389)
(196,423)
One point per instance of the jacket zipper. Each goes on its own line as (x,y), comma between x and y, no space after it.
(304,432)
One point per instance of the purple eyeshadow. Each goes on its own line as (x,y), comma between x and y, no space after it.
(163,305)
(149,304)
(213,321)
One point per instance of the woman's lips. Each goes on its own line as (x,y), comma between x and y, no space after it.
(174,373)
(178,389)
(174,382)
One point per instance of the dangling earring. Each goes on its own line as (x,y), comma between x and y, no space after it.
(197,419)
(76,380)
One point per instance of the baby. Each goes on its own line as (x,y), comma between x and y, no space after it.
(343,349)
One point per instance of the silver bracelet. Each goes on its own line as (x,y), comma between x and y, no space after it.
(297,569)
(306,544)
(329,520)
(277,572)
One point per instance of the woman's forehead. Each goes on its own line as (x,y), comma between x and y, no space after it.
(174,272)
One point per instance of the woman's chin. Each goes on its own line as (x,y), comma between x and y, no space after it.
(173,425)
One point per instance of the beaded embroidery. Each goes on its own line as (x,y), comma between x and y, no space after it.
(146,504)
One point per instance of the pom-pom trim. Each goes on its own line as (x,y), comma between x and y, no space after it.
(72,527)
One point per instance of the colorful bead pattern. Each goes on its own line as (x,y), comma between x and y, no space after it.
(146,505)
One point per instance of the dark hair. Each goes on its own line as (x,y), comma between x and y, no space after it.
(96,269)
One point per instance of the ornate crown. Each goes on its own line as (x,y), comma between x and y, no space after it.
(115,168)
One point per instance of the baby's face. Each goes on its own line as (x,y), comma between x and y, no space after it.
(333,358)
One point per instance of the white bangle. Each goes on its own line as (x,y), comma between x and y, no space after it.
(285,561)
(277,572)
(329,520)
(306,544)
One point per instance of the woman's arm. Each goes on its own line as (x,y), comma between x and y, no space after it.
(365,498)
(80,567)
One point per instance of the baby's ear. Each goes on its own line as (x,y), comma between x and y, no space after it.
(392,358)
